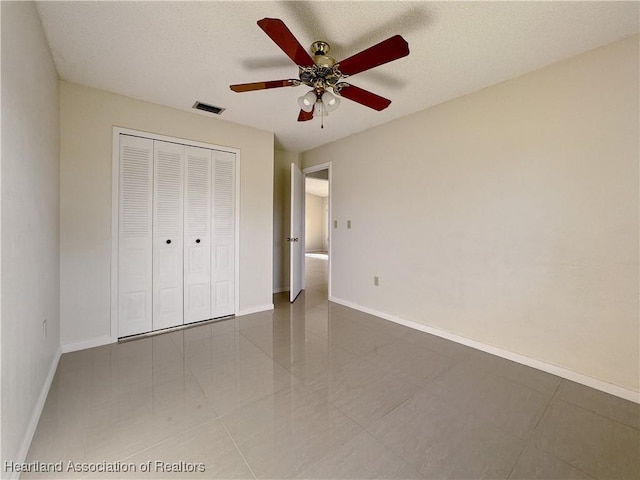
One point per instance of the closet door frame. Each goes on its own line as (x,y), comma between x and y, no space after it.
(115,162)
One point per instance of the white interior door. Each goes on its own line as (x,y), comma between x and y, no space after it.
(197,238)
(223,238)
(296,240)
(168,235)
(135,205)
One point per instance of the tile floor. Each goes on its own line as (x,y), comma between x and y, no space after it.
(317,390)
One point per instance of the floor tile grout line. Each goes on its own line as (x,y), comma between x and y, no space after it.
(388,449)
(404,339)
(600,414)
(198,382)
(257,399)
(551,398)
(524,447)
(568,464)
(531,441)
(253,400)
(442,373)
(523,384)
(166,440)
(460,361)
(346,415)
(411,397)
(339,447)
(238,449)
(298,379)
(364,428)
(617,422)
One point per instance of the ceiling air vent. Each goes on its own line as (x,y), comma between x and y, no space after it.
(208,108)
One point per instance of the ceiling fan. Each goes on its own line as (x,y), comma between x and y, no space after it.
(321,72)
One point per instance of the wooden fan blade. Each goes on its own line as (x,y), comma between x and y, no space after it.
(304,116)
(282,36)
(247,87)
(364,97)
(384,52)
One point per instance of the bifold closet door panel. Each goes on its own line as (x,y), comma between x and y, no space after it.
(135,206)
(168,235)
(223,238)
(197,237)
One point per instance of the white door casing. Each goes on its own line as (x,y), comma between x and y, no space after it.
(296,240)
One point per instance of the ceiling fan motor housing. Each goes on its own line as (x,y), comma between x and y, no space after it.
(324,72)
(320,47)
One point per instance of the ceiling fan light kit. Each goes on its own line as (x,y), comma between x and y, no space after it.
(330,101)
(322,73)
(307,101)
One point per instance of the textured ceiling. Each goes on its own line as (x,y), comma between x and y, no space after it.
(174,53)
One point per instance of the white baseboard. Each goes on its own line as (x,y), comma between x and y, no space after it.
(35,415)
(90,343)
(107,339)
(260,308)
(557,370)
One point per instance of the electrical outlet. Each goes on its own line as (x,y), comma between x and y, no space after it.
(44,329)
(376,281)
(335,224)
(348,223)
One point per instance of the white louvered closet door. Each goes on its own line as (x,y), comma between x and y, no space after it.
(168,235)
(197,235)
(223,238)
(135,235)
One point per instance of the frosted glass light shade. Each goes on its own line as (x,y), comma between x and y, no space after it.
(330,101)
(307,101)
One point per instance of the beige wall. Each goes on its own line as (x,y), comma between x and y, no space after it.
(313,226)
(87,120)
(30,245)
(282,217)
(509,216)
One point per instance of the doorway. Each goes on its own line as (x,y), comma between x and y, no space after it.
(317,232)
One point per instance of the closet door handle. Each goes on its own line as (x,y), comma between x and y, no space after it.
(197,240)
(168,241)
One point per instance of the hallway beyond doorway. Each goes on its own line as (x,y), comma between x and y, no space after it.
(317,273)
